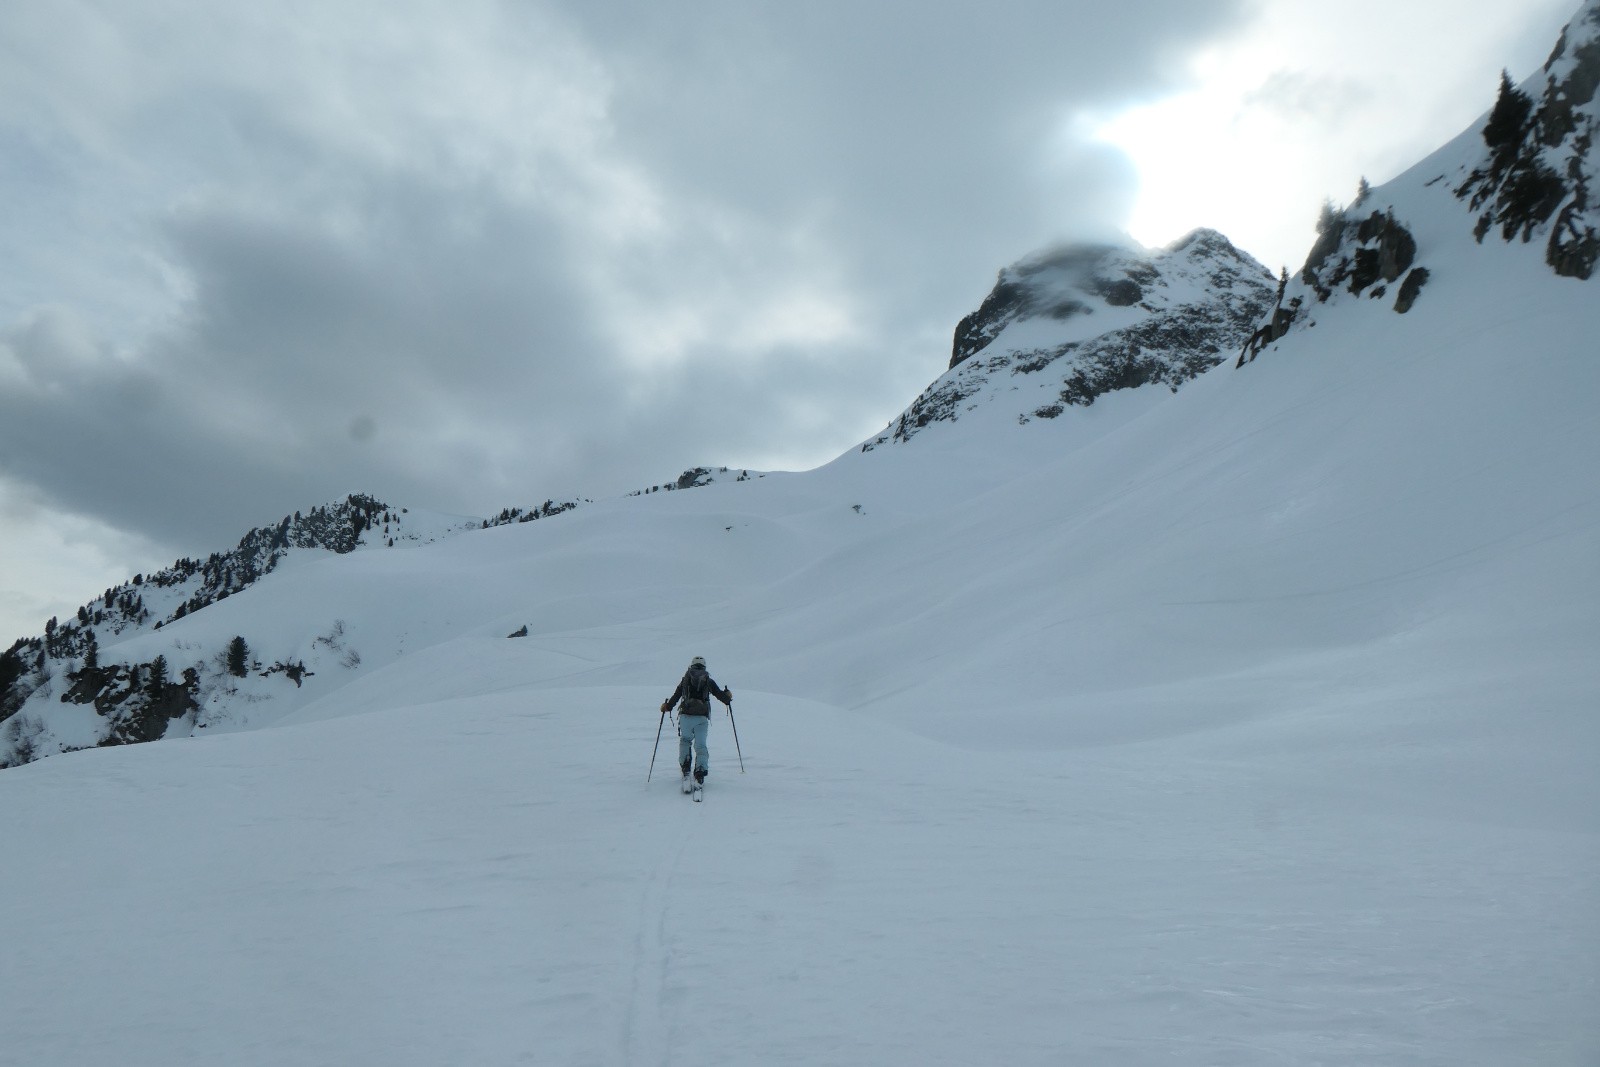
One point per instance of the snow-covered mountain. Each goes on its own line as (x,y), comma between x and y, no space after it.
(1060,329)
(1250,722)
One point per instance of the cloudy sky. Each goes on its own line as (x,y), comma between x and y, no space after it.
(467,255)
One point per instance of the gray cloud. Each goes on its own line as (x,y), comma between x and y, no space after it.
(467,256)
(1297,96)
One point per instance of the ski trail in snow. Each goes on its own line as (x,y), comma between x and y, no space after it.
(644,1026)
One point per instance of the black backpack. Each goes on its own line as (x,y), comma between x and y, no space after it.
(696,692)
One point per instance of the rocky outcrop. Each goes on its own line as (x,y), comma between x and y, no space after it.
(1415,280)
(138,701)
(1060,329)
(1354,254)
(1358,254)
(698,477)
(1057,285)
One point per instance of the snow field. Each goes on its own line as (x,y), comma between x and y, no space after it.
(486,878)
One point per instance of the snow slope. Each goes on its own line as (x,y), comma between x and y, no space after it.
(1251,724)
(485,878)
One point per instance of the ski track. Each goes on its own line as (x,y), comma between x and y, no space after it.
(646,1034)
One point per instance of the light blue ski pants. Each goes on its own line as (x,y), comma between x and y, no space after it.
(692,730)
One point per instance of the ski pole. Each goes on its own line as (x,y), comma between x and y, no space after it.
(735,726)
(653,751)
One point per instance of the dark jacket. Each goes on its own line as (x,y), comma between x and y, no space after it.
(695,679)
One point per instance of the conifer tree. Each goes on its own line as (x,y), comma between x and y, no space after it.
(1509,117)
(1329,217)
(238,657)
(11,667)
(158,676)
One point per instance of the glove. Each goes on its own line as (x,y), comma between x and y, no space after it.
(664,704)
(729,701)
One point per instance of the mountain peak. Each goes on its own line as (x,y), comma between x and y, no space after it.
(1078,280)
(1208,242)
(1076,321)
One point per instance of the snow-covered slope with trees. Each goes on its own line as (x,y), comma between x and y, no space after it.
(58,692)
(1525,173)
(58,695)
(1251,723)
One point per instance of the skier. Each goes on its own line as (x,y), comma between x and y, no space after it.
(694,721)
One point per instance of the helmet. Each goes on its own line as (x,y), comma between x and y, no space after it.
(698,661)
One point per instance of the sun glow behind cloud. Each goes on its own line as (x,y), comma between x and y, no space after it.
(1302,106)
(1206,159)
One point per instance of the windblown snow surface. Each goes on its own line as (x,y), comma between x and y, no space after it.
(1255,724)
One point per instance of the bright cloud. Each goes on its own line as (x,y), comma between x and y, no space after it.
(1302,105)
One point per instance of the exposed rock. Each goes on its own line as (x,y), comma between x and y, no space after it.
(1066,282)
(294,670)
(1355,256)
(146,719)
(698,477)
(1410,288)
(1005,302)
(135,709)
(95,685)
(1574,244)
(1358,254)
(1052,284)
(1123,292)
